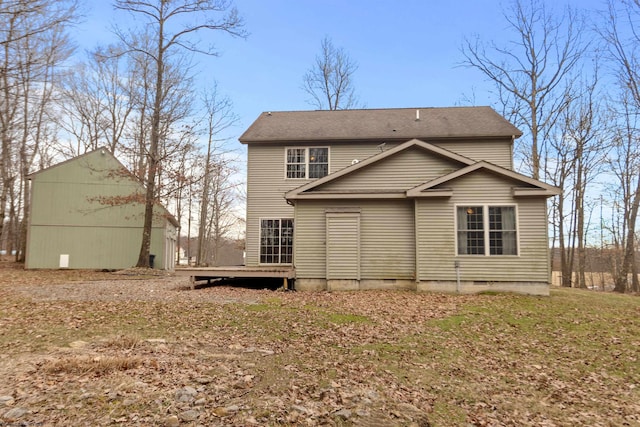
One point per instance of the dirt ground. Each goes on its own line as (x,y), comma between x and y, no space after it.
(133,348)
(89,348)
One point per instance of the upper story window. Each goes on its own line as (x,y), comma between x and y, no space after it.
(307,163)
(487,230)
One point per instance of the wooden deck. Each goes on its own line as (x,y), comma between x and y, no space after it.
(209,274)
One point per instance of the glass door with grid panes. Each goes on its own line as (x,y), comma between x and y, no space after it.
(276,241)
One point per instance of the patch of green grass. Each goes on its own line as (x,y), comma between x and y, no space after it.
(495,359)
(449,323)
(447,413)
(343,318)
(381,348)
(259,307)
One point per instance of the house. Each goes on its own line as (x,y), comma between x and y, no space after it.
(424,199)
(87,213)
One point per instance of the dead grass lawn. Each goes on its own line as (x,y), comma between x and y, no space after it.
(232,356)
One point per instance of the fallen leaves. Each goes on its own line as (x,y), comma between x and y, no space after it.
(103,349)
(93,366)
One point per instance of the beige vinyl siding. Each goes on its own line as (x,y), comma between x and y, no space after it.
(309,247)
(435,238)
(387,240)
(497,152)
(399,172)
(534,241)
(343,154)
(387,248)
(343,246)
(436,234)
(266,184)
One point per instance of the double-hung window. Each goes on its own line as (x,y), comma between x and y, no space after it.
(276,241)
(307,162)
(486,230)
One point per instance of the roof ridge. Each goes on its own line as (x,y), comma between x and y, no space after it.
(426,123)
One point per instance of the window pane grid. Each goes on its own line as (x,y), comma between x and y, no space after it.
(318,170)
(315,165)
(502,226)
(499,234)
(495,243)
(286,241)
(296,155)
(296,162)
(276,241)
(318,155)
(495,218)
(475,242)
(296,171)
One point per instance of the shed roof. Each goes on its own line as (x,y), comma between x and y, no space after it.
(379,124)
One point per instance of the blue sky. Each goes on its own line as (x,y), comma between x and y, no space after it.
(407,51)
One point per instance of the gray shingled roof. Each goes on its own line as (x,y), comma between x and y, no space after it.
(392,123)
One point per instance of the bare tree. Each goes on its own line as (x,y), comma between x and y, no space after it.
(219,117)
(168,21)
(33,44)
(222,197)
(623,41)
(329,81)
(624,163)
(184,177)
(98,101)
(577,151)
(531,72)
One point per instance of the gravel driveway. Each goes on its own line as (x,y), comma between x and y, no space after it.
(125,285)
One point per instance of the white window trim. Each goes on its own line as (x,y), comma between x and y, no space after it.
(485,223)
(279,218)
(306,161)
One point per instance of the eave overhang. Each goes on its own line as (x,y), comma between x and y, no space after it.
(530,188)
(304,190)
(524,186)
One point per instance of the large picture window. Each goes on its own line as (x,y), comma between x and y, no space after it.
(276,241)
(487,230)
(307,163)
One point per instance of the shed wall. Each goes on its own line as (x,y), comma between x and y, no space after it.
(91,247)
(88,208)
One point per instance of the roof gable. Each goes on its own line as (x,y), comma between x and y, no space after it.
(527,186)
(118,186)
(325,182)
(379,124)
(325,188)
(405,169)
(93,166)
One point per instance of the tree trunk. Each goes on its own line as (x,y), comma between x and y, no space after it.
(628,260)
(154,160)
(579,217)
(204,206)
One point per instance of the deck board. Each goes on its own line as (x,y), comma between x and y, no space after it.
(235,271)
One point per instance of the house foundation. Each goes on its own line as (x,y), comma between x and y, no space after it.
(474,287)
(465,287)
